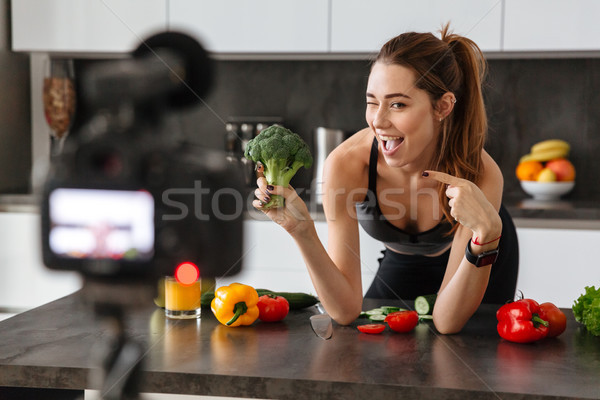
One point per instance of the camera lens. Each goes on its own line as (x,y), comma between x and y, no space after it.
(108,163)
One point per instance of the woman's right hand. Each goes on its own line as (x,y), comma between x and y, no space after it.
(293,216)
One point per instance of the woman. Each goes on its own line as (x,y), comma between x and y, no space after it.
(418,179)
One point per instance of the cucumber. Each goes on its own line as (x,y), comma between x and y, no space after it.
(297,300)
(391,309)
(377,317)
(379,313)
(424,304)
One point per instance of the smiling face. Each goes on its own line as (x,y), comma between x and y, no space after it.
(402,117)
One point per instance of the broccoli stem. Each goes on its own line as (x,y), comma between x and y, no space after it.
(279,173)
(276,202)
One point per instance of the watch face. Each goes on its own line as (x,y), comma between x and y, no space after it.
(487,259)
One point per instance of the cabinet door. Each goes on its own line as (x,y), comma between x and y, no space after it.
(361,26)
(85,26)
(551,25)
(556,265)
(24,280)
(257,26)
(273,261)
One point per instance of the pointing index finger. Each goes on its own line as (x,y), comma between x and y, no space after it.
(443,177)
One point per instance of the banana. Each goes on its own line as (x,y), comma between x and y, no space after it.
(551,144)
(545,155)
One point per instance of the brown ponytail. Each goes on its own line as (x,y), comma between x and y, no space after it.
(451,64)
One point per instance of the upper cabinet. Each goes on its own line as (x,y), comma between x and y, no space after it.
(257,26)
(285,27)
(552,25)
(364,26)
(101,26)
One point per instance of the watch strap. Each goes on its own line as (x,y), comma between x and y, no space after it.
(483,259)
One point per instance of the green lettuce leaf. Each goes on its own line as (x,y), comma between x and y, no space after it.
(586,309)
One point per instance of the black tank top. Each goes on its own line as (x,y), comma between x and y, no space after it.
(376,225)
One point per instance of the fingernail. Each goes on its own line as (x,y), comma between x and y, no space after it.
(270,187)
(267,199)
(425,174)
(259,166)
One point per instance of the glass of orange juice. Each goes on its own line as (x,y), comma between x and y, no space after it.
(182,301)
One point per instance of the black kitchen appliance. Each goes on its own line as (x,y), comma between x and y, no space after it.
(126,202)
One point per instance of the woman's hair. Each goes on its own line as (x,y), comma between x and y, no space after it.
(450,64)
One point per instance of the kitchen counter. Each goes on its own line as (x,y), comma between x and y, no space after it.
(19,203)
(526,212)
(565,214)
(50,347)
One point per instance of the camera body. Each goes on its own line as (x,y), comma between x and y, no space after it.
(131,206)
(131,203)
(127,200)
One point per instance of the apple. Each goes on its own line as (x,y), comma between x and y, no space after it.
(562,168)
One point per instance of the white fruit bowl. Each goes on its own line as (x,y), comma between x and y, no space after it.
(547,190)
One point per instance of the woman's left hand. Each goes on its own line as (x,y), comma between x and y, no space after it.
(469,206)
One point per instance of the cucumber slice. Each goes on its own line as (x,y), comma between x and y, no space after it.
(377,317)
(391,309)
(375,311)
(378,314)
(424,304)
(425,317)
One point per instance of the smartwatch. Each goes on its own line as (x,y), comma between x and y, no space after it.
(485,258)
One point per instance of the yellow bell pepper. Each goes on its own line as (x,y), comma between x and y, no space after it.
(235,305)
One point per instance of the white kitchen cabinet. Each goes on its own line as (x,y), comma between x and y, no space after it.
(551,25)
(359,26)
(89,26)
(258,26)
(272,259)
(557,264)
(24,280)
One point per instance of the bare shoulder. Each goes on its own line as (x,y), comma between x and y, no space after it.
(345,176)
(492,180)
(350,160)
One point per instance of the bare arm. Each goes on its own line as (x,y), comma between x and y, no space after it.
(476,209)
(335,272)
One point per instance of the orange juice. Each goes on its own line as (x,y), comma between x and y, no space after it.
(182,301)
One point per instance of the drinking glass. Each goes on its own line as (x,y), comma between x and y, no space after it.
(59,100)
(182,301)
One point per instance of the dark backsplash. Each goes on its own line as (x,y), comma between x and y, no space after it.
(528,100)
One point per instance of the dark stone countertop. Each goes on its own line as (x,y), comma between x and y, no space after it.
(50,347)
(526,207)
(527,212)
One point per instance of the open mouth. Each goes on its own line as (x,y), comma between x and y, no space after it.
(390,143)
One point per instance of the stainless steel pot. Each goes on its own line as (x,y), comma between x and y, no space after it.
(326,139)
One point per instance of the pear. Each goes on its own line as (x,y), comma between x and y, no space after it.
(159,300)
(546,175)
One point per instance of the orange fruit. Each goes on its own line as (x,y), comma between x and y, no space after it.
(529,170)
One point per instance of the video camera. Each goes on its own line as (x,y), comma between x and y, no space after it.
(127,200)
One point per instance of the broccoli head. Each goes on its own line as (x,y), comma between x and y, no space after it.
(282,152)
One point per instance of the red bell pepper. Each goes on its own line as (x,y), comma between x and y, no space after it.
(272,308)
(557,319)
(521,322)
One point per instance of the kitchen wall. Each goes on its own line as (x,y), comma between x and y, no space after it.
(527,99)
(15,126)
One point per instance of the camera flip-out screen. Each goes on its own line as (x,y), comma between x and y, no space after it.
(101,224)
